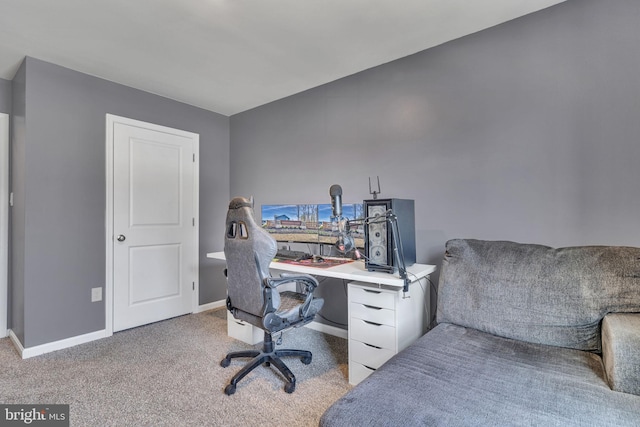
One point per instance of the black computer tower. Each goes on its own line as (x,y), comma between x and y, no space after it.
(379,244)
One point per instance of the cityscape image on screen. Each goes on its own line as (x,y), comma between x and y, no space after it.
(310,223)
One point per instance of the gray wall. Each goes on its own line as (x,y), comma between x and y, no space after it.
(17,212)
(62,198)
(527,131)
(5,96)
(5,107)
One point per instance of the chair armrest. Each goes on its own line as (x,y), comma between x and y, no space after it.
(310,284)
(308,281)
(621,351)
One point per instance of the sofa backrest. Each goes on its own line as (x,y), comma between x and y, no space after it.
(536,293)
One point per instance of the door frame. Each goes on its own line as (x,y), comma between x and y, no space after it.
(4,223)
(111,120)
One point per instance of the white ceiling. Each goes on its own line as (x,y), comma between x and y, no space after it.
(228,56)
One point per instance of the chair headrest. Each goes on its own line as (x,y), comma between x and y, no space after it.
(240,202)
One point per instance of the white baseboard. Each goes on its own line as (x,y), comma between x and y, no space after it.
(16,342)
(210,306)
(328,329)
(26,353)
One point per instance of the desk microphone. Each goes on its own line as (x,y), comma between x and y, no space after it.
(336,200)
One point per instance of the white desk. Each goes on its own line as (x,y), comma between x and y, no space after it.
(382,319)
(353,271)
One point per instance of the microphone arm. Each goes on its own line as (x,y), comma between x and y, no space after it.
(398,251)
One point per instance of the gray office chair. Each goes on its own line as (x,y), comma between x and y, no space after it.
(253,295)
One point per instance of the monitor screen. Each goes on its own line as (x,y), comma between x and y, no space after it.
(309,223)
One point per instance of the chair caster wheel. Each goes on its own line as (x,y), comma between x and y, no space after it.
(306,360)
(225,362)
(230,389)
(290,387)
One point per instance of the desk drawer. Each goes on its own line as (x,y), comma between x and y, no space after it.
(373,297)
(372,333)
(243,331)
(372,314)
(358,372)
(373,357)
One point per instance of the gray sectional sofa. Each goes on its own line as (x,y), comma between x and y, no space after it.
(527,335)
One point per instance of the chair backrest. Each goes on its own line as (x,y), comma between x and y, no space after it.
(248,250)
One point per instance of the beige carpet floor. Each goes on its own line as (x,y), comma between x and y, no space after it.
(168,374)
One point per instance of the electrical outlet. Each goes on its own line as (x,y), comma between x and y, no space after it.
(96,294)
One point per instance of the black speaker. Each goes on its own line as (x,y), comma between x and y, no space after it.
(378,237)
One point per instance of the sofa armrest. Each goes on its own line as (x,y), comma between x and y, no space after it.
(621,351)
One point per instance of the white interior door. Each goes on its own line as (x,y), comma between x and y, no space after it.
(154,234)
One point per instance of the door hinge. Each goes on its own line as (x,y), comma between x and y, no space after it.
(193,286)
(194,157)
(193,222)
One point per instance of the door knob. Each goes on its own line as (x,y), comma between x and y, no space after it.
(121,238)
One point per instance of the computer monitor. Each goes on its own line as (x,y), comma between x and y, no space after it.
(309,223)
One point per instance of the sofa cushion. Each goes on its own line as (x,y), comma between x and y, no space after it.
(536,293)
(621,351)
(457,376)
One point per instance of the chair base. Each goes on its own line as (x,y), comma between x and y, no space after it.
(268,356)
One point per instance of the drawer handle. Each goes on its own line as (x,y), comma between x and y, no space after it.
(369,368)
(371,291)
(371,307)
(371,345)
(372,323)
